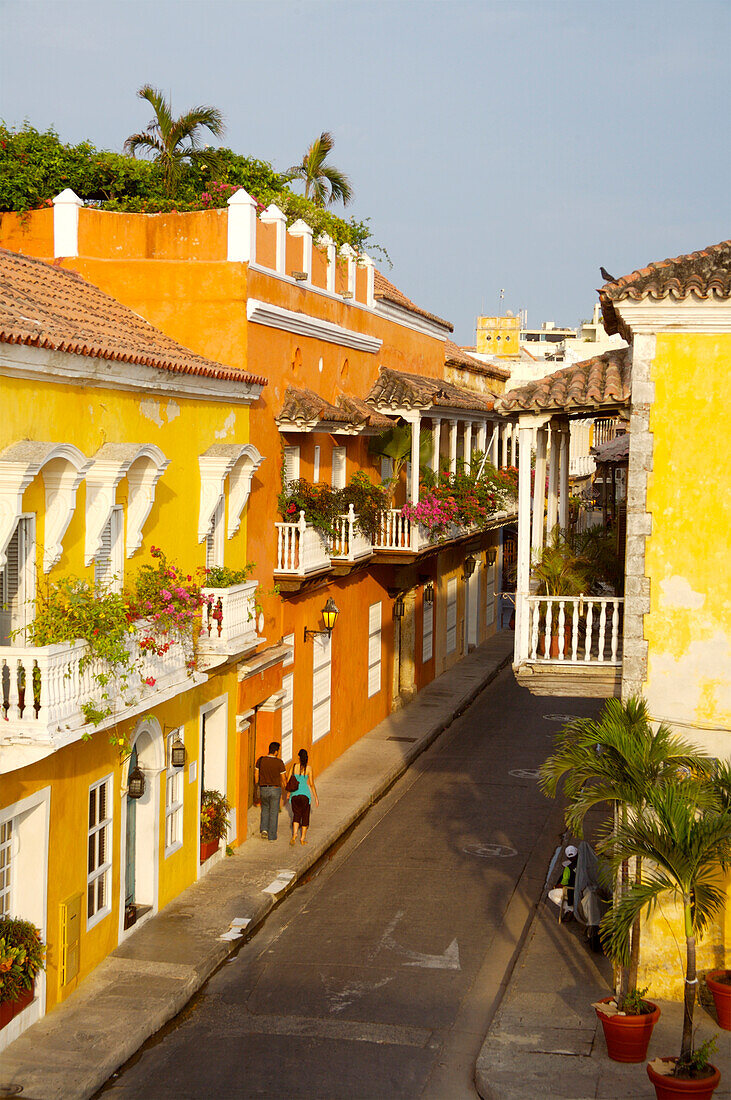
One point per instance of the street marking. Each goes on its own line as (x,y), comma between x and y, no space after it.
(448,961)
(340,999)
(342,1030)
(490,851)
(562,717)
(524,773)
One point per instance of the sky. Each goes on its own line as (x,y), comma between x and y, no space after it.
(499,145)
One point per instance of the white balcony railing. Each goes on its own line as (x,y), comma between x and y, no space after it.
(43,689)
(576,630)
(349,543)
(394,531)
(229,619)
(301,549)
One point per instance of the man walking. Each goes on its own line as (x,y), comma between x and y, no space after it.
(270,773)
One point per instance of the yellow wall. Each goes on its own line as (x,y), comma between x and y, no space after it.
(507,328)
(689,625)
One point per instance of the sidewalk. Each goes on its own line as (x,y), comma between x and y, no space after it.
(546,1041)
(70,1053)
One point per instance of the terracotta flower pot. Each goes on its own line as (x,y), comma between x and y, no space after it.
(6,1013)
(628,1037)
(23,1000)
(721,996)
(670,1088)
(208,847)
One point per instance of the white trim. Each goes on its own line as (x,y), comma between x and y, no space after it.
(176,809)
(305,231)
(241,227)
(690,314)
(105,868)
(401,316)
(72,369)
(151,726)
(107,468)
(274,216)
(66,223)
(264,313)
(203,711)
(240,461)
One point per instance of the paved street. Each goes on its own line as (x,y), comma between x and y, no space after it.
(377,976)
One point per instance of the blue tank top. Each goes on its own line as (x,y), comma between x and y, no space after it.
(304,786)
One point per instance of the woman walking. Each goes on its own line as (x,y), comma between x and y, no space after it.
(302,797)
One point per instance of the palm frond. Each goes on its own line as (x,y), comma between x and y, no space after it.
(147,143)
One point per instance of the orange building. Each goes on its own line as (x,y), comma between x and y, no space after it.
(347,356)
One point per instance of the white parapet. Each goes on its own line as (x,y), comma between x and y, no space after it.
(241,227)
(66,223)
(276,217)
(303,230)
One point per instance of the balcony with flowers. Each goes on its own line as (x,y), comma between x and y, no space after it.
(92,658)
(228,614)
(450,506)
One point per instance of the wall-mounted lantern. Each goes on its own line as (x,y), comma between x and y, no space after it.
(399,607)
(469,566)
(491,555)
(429,593)
(136,783)
(177,753)
(329,616)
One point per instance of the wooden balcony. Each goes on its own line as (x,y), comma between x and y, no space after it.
(228,625)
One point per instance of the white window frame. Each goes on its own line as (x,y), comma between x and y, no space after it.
(427,632)
(451,616)
(109,561)
(215,539)
(291,464)
(375,648)
(102,870)
(7,859)
(339,468)
(22,613)
(316,465)
(288,717)
(174,797)
(321,686)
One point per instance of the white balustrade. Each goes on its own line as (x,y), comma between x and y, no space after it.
(349,543)
(301,549)
(394,531)
(573,629)
(43,689)
(229,618)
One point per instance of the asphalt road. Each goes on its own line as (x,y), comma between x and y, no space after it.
(377,976)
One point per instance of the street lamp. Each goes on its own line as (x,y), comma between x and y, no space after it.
(469,566)
(429,593)
(491,555)
(177,753)
(398,607)
(329,616)
(136,783)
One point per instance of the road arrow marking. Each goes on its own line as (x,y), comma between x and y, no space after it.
(448,961)
(340,999)
(490,851)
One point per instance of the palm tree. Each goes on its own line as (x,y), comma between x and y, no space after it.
(395,443)
(684,844)
(324,183)
(175,141)
(618,759)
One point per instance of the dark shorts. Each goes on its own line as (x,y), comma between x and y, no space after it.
(301,809)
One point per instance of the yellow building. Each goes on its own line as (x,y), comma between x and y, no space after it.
(116,443)
(499,336)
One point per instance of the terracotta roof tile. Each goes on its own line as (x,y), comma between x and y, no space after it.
(50,307)
(605,380)
(306,409)
(616,450)
(397,390)
(460,357)
(361,413)
(705,274)
(390,293)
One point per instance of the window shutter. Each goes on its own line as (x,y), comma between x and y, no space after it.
(321,686)
(316,466)
(489,595)
(408,480)
(287,716)
(9,587)
(291,464)
(109,561)
(338,468)
(214,539)
(427,635)
(451,641)
(386,469)
(103,559)
(374,649)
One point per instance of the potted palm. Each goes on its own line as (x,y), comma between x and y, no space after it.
(214,822)
(683,841)
(559,571)
(21,957)
(619,759)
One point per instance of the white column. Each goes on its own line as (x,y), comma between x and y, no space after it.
(495,448)
(436,437)
(481,443)
(415,443)
(523,565)
(350,257)
(553,463)
(452,446)
(276,217)
(370,267)
(539,492)
(563,481)
(504,447)
(330,250)
(468,445)
(66,223)
(241,228)
(303,230)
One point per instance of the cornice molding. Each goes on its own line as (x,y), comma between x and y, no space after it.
(264,313)
(690,314)
(405,317)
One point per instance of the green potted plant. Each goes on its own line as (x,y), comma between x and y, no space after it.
(559,571)
(619,759)
(214,822)
(22,954)
(684,842)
